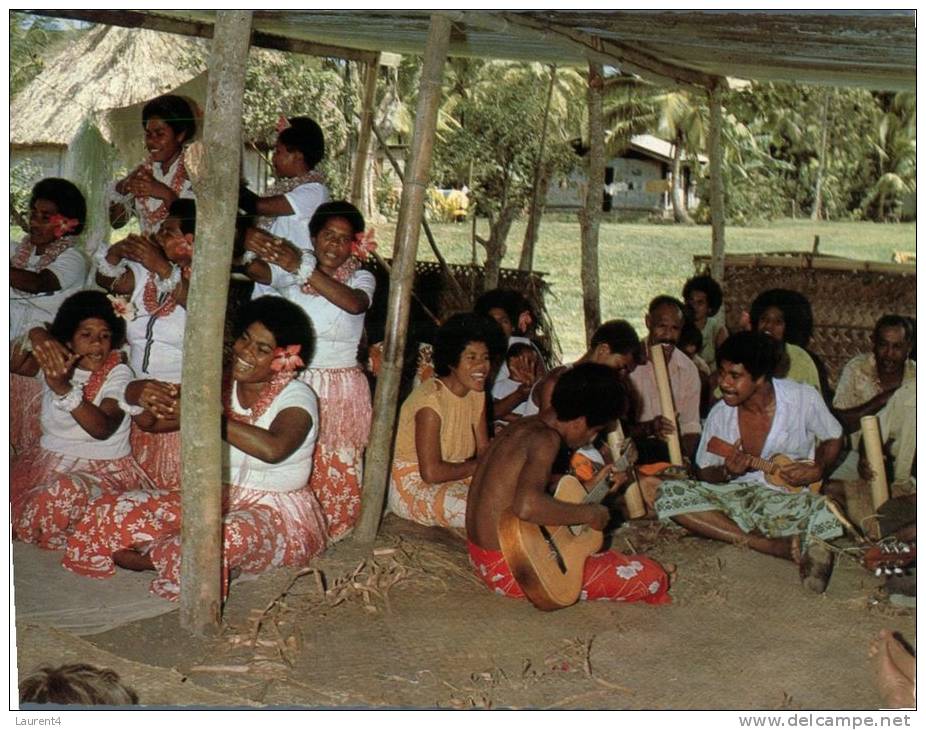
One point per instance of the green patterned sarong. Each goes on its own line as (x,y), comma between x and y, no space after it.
(753,507)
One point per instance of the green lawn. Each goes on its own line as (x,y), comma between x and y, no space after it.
(639,261)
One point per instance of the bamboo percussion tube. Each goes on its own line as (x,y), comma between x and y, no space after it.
(633,498)
(871,434)
(665,401)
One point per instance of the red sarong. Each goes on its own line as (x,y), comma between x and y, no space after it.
(607,576)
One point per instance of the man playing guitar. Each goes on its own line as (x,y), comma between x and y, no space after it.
(734,502)
(512,481)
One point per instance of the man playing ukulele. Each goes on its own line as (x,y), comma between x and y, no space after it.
(734,502)
(516,471)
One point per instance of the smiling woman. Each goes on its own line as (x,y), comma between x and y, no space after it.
(442,425)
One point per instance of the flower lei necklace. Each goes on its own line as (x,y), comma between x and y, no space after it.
(98,377)
(268,394)
(361,248)
(162,308)
(284,185)
(152,218)
(25,248)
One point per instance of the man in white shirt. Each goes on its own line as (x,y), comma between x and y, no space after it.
(734,499)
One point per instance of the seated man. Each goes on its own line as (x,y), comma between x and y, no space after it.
(733,502)
(664,321)
(869,381)
(516,470)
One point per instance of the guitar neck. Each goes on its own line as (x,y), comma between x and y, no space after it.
(763,465)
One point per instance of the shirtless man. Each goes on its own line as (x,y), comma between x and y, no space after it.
(762,416)
(515,473)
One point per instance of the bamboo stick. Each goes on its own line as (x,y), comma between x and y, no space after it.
(716,166)
(363,141)
(633,498)
(408,228)
(657,354)
(871,434)
(201,450)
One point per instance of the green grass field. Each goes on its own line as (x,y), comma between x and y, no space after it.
(640,261)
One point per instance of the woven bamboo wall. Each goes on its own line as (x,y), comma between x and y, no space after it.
(847,296)
(432,288)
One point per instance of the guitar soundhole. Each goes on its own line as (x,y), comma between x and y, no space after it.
(554,551)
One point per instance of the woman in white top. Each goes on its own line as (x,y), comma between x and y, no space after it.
(84,450)
(336,293)
(45,269)
(162,178)
(153,272)
(270,516)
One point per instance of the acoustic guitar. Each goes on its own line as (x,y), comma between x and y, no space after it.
(548,562)
(770,467)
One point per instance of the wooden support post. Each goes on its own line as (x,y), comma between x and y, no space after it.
(590,216)
(217,198)
(408,228)
(714,95)
(363,141)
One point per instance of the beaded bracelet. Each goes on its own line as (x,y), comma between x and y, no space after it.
(112,271)
(165,286)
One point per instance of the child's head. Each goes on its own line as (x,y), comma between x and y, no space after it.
(690,341)
(76,684)
(518,349)
(502,305)
(169,123)
(299,148)
(465,345)
(87,323)
(172,235)
(591,392)
(617,345)
(56,208)
(703,295)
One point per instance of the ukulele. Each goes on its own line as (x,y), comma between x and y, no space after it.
(770,467)
(548,562)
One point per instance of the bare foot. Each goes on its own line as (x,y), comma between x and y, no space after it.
(896,687)
(132,560)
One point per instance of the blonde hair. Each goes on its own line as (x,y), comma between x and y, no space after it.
(75,684)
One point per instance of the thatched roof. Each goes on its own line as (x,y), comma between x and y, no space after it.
(108,68)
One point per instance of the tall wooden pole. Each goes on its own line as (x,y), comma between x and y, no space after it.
(366,134)
(714,96)
(217,205)
(533,218)
(408,228)
(590,216)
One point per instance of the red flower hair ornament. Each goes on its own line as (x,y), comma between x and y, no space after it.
(286,359)
(363,245)
(62,225)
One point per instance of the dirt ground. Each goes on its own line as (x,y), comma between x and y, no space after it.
(410,626)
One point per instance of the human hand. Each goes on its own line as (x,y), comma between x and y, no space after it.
(737,463)
(122,187)
(272,249)
(161,399)
(801,473)
(145,251)
(525,368)
(661,427)
(599,518)
(57,363)
(142,184)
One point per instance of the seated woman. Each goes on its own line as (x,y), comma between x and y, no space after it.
(442,425)
(46,267)
(336,294)
(270,516)
(153,271)
(777,313)
(84,450)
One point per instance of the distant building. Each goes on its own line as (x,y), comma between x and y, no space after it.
(639,181)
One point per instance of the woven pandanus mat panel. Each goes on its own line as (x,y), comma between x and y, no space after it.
(846,301)
(433,290)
